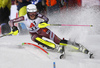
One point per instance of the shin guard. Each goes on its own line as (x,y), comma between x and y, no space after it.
(45,43)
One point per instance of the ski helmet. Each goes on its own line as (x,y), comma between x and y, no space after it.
(31,8)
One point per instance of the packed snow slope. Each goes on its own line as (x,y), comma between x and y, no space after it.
(15,55)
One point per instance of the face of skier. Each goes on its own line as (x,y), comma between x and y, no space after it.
(32,15)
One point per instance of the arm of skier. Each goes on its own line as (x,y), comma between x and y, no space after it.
(44,23)
(15,30)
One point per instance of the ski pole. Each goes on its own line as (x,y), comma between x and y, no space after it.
(7,34)
(69,25)
(42,25)
(4,35)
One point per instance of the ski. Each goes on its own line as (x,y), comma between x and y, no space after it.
(86,51)
(81,48)
(91,56)
(62,53)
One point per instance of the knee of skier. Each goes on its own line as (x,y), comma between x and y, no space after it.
(33,37)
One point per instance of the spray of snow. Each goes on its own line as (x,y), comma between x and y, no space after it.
(87,15)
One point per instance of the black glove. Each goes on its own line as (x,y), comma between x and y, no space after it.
(14,31)
(14,28)
(43,25)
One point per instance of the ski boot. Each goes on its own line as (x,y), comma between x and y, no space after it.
(61,49)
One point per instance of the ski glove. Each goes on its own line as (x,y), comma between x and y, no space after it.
(14,31)
(43,25)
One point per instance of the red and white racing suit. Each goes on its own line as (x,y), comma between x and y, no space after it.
(34,30)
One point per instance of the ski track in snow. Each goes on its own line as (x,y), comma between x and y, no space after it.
(15,55)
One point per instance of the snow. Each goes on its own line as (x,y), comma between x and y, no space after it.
(15,55)
(90,2)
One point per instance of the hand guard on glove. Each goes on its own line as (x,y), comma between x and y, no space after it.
(14,31)
(43,25)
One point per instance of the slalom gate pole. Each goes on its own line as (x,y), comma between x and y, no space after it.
(54,65)
(37,47)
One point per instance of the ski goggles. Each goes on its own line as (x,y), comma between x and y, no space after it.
(32,13)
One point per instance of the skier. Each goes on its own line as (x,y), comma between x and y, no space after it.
(32,20)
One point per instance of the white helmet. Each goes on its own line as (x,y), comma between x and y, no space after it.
(31,8)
